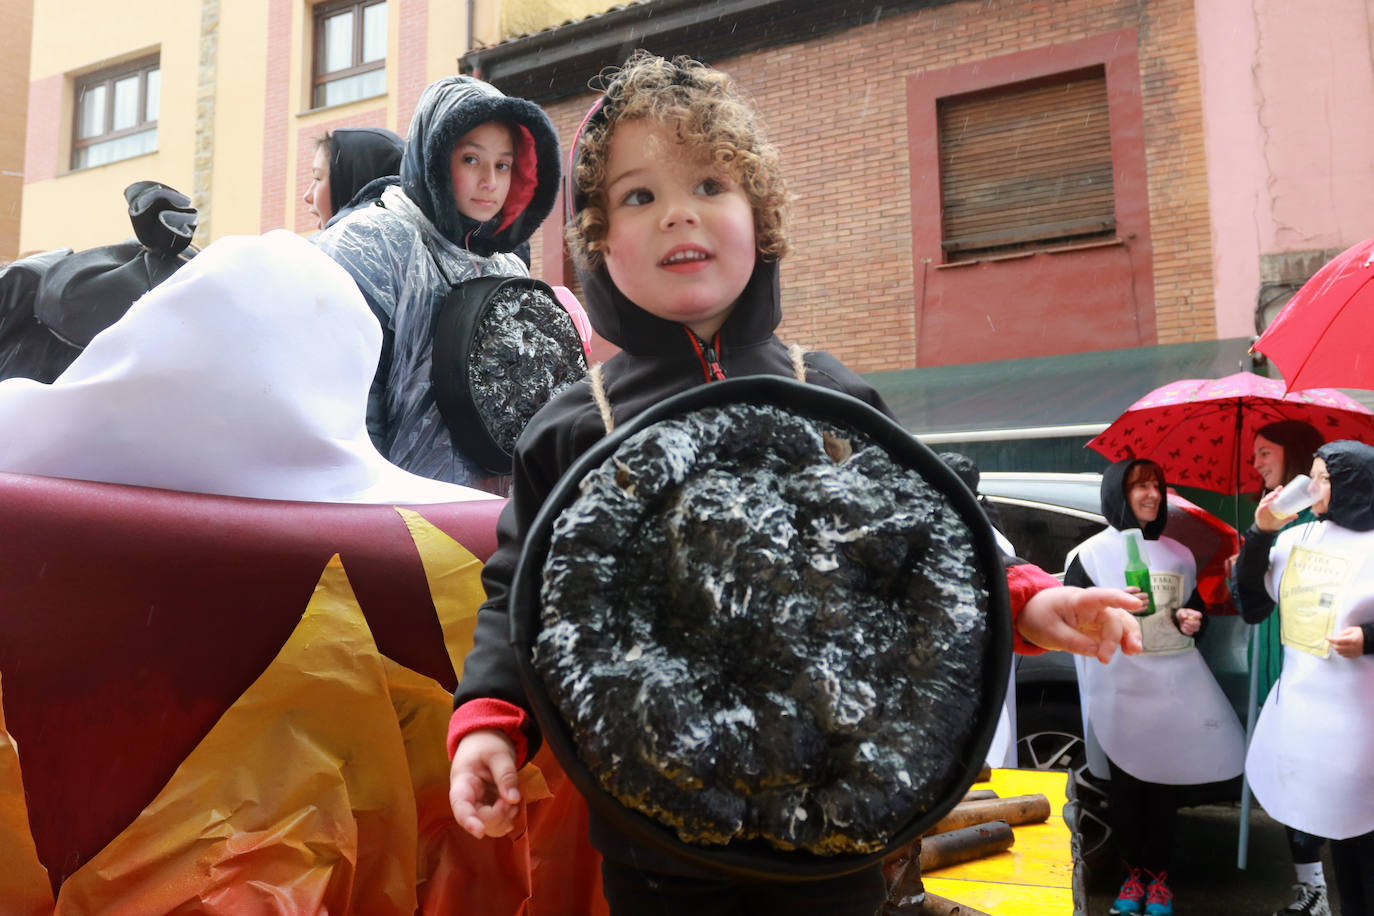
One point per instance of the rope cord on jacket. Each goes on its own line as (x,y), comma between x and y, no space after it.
(603,403)
(798,354)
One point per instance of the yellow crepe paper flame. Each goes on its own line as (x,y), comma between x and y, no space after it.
(323,788)
(455,584)
(297,801)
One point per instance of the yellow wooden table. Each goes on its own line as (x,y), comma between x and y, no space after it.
(1032,878)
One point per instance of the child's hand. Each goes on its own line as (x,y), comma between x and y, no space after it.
(1084,621)
(1348,643)
(1189,620)
(483,786)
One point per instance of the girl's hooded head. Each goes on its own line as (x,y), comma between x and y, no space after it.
(448,110)
(1117,481)
(1351,466)
(710,119)
(357,156)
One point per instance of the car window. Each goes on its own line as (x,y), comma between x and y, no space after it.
(1043,534)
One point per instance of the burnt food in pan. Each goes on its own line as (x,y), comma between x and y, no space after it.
(525,350)
(760,627)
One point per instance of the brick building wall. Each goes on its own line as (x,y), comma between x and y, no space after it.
(836,107)
(44,125)
(276,115)
(411,80)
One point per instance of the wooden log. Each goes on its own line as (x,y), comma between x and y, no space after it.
(940,850)
(979,794)
(935,905)
(1018,809)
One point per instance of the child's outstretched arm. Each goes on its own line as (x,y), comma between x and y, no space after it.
(1085,621)
(483,787)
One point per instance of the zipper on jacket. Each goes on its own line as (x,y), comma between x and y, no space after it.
(708,353)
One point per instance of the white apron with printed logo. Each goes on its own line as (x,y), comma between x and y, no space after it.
(1160,715)
(1311,761)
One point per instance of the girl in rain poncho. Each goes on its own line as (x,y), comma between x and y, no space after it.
(479,174)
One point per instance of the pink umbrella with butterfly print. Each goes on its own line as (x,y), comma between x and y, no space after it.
(1200,431)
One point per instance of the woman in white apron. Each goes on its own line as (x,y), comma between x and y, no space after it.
(1282,451)
(1160,716)
(1311,760)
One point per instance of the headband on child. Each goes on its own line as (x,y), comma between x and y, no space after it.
(600,110)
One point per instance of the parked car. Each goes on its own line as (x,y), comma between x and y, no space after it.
(1047,515)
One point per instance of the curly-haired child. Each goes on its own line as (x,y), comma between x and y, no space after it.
(679,224)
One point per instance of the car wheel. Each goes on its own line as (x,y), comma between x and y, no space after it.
(1088,817)
(1051,737)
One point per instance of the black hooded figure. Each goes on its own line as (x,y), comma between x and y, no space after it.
(52,304)
(1351,466)
(363,162)
(1160,717)
(407,252)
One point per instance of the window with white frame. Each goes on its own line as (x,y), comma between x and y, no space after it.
(115,113)
(350,51)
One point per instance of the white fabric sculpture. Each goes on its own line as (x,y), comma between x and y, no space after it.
(244,374)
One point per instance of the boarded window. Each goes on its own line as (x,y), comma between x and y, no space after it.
(1026,167)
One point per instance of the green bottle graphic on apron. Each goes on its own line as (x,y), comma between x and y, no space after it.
(1137,573)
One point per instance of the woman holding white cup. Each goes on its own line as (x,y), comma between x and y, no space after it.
(1309,759)
(1281,455)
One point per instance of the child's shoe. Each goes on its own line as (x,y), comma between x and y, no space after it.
(1132,895)
(1159,900)
(1308,900)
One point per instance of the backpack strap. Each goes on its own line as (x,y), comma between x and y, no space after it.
(603,403)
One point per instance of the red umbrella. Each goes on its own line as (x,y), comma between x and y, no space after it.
(1201,430)
(1322,335)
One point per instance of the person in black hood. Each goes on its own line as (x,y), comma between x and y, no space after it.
(677,229)
(479,173)
(1161,718)
(352,167)
(1309,762)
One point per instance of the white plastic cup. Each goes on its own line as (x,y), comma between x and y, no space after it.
(1295,496)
